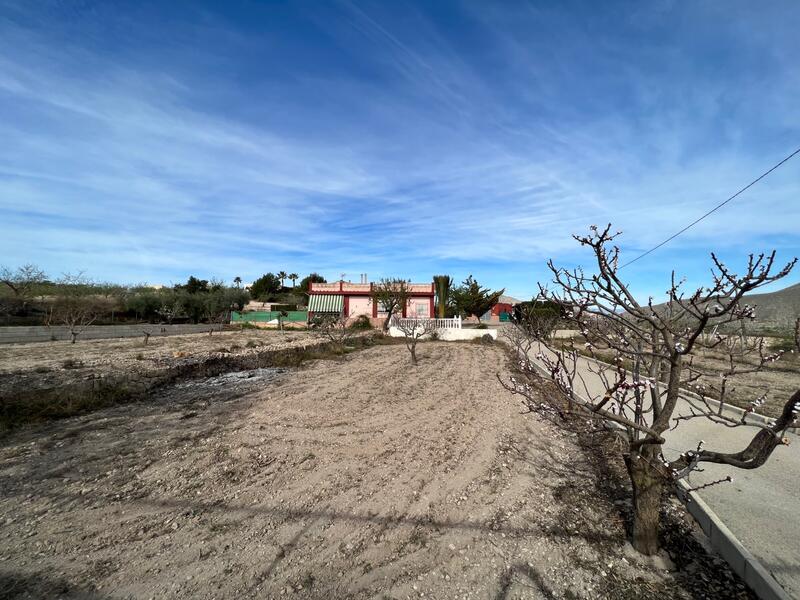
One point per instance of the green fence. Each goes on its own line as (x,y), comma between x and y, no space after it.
(293,316)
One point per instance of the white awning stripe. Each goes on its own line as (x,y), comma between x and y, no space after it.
(326,303)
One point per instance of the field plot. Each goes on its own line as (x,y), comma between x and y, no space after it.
(56,379)
(360,477)
(109,355)
(778,380)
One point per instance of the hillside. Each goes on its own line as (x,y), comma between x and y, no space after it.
(777,310)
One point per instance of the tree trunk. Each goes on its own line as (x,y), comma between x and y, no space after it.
(413,355)
(647,485)
(74,336)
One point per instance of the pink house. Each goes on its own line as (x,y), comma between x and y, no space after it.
(354,300)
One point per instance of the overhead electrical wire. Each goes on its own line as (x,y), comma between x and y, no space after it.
(717,207)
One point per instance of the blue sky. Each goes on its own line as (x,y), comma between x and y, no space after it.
(146,141)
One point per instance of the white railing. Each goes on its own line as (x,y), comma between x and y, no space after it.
(454,323)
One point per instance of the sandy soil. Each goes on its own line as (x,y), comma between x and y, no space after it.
(356,478)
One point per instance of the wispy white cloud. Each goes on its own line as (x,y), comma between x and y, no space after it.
(394,142)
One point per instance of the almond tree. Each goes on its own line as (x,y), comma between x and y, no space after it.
(413,330)
(391,295)
(22,281)
(335,328)
(76,305)
(654,355)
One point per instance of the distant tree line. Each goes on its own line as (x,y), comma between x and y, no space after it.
(29,296)
(271,287)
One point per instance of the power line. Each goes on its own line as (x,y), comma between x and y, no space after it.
(717,207)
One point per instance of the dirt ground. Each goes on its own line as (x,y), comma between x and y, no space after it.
(361,477)
(778,380)
(39,381)
(132,354)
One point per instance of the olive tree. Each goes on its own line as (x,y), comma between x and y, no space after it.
(650,354)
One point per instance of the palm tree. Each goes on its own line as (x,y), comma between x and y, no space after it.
(442,283)
(238,281)
(282,276)
(293,277)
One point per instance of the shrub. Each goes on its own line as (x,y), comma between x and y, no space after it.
(42,369)
(71,363)
(251,344)
(139,356)
(362,322)
(481,326)
(785,344)
(487,339)
(435,336)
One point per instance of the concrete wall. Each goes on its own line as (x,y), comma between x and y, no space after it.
(452,335)
(22,335)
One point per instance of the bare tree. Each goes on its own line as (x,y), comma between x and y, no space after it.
(76,305)
(653,351)
(414,330)
(334,328)
(392,296)
(22,281)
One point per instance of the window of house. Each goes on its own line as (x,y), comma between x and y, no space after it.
(422,309)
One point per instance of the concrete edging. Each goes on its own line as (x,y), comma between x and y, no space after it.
(722,539)
(452,335)
(728,546)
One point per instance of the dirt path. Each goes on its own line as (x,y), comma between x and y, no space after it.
(358,478)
